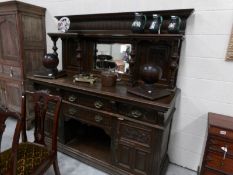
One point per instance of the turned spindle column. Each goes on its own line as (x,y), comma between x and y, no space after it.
(132,64)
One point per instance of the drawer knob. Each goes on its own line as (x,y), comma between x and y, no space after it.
(72,98)
(98,104)
(135,114)
(98,118)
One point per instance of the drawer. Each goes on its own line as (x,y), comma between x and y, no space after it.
(129,132)
(221,132)
(88,116)
(216,161)
(11,71)
(96,102)
(219,145)
(138,113)
(90,101)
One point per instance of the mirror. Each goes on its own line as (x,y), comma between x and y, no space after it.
(114,57)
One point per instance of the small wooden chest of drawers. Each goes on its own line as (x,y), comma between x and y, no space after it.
(218,157)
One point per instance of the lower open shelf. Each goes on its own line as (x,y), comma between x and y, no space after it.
(91,141)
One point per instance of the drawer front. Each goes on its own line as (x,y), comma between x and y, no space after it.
(96,102)
(224,133)
(90,101)
(87,116)
(218,162)
(11,72)
(134,134)
(221,145)
(138,113)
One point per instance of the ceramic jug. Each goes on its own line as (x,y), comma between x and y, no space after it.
(156,24)
(139,23)
(174,25)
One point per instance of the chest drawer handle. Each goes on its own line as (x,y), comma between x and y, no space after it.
(225,151)
(98,118)
(72,98)
(222,132)
(135,114)
(11,72)
(98,104)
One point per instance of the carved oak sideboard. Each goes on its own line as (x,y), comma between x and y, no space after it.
(108,127)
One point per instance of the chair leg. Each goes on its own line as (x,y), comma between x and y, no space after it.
(55,167)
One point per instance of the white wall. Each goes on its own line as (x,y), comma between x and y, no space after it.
(205,78)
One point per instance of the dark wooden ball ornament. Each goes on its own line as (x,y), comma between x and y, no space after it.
(50,61)
(150,73)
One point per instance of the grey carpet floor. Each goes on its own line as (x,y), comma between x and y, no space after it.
(70,166)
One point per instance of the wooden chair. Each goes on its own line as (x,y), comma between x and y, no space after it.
(33,157)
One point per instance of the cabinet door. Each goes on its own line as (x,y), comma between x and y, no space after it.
(133,152)
(2,94)
(9,40)
(14,91)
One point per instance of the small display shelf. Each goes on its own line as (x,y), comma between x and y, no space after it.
(105,33)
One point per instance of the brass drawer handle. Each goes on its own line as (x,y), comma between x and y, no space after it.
(98,118)
(72,111)
(72,98)
(120,118)
(98,104)
(45,91)
(135,114)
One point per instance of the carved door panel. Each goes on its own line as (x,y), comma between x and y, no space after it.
(14,91)
(133,152)
(9,42)
(2,94)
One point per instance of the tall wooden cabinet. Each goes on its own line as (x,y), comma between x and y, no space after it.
(22,46)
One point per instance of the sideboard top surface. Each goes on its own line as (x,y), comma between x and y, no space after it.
(118,92)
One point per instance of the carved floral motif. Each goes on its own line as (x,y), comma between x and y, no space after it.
(136,134)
